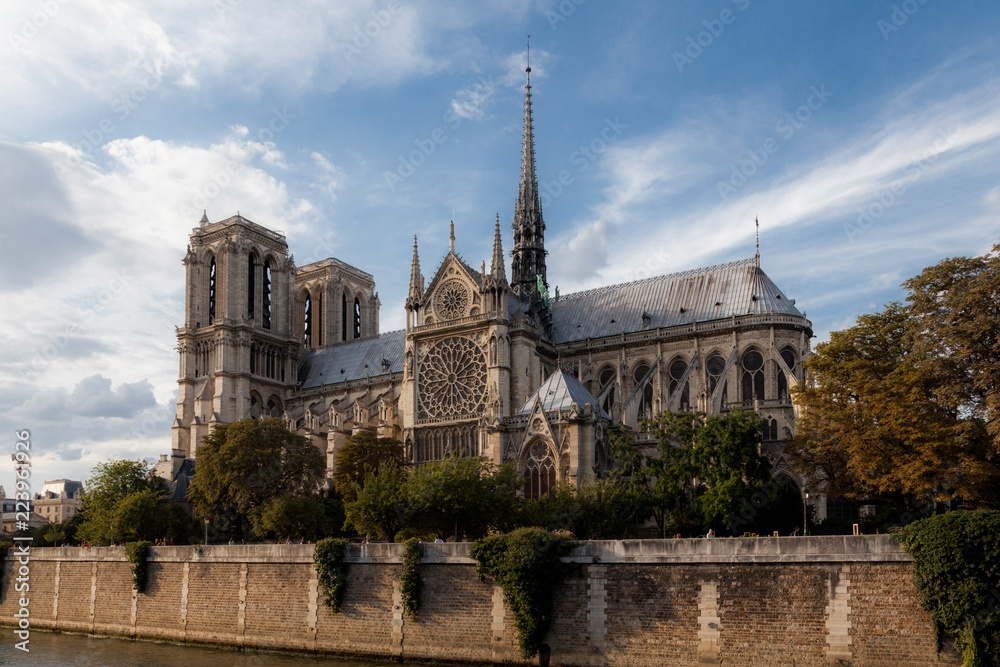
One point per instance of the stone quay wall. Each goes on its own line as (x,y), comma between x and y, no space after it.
(748,601)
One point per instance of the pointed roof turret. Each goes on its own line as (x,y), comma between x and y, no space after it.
(204,217)
(416,281)
(497,269)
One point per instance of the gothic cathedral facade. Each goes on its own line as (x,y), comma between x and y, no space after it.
(487,365)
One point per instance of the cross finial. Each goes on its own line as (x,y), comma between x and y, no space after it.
(756,256)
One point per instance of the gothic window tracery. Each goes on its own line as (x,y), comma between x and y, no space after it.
(539,470)
(608,377)
(676,372)
(251,284)
(715,367)
(343,317)
(646,402)
(266,296)
(212,285)
(357,318)
(453,379)
(452,300)
(789,358)
(307,321)
(753,375)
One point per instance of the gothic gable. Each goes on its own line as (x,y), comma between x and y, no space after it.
(453,293)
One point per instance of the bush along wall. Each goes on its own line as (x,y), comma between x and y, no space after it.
(409,581)
(526,565)
(136,553)
(956,569)
(328,557)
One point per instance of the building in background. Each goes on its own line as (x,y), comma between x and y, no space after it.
(487,365)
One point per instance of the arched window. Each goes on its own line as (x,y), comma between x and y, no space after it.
(307,321)
(753,376)
(676,371)
(789,358)
(212,285)
(357,318)
(266,296)
(539,471)
(715,367)
(251,284)
(343,317)
(772,429)
(608,377)
(319,320)
(646,403)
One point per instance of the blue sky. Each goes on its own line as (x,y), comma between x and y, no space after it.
(865,136)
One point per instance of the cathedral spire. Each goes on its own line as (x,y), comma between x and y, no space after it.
(416,288)
(451,237)
(529,227)
(497,268)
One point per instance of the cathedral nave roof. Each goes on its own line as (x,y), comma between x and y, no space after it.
(709,293)
(357,359)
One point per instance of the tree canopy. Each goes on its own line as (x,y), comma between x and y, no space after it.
(906,401)
(246,464)
(693,470)
(360,453)
(122,500)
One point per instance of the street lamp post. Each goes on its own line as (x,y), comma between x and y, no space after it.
(206,532)
(805,511)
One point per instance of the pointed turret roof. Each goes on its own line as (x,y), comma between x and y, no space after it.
(416,288)
(559,392)
(497,269)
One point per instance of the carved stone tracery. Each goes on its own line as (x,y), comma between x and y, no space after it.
(453,379)
(452,300)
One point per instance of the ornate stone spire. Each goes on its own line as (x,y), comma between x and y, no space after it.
(497,269)
(529,227)
(451,238)
(416,281)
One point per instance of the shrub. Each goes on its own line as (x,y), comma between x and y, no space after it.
(137,553)
(330,570)
(956,569)
(409,580)
(526,565)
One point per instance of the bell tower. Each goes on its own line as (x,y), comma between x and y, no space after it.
(238,350)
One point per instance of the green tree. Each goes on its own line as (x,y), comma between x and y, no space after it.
(692,470)
(905,402)
(303,517)
(110,493)
(462,496)
(381,507)
(361,452)
(246,464)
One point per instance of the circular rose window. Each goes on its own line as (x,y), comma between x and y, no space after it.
(452,300)
(453,379)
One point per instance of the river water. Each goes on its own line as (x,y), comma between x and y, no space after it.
(54,649)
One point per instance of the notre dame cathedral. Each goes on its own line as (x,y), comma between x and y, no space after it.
(487,365)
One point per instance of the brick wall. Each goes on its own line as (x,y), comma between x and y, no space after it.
(802,601)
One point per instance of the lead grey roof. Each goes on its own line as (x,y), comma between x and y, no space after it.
(353,361)
(710,293)
(559,392)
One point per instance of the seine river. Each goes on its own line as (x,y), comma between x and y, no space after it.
(53,649)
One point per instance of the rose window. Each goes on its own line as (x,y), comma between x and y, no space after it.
(452,300)
(453,378)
